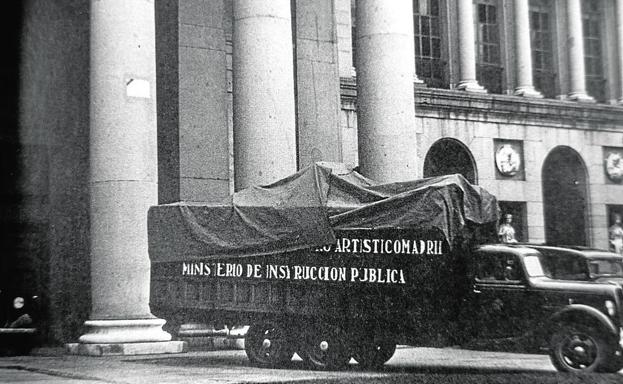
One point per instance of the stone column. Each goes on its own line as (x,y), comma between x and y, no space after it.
(619,21)
(575,43)
(263,90)
(467,48)
(523,54)
(318,89)
(385,100)
(123,179)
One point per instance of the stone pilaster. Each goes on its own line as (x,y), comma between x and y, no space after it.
(123,178)
(523,54)
(385,77)
(575,44)
(263,90)
(318,90)
(467,48)
(343,21)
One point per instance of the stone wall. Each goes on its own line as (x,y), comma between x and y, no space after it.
(53,154)
(477,121)
(192,99)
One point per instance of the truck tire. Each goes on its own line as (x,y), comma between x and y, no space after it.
(578,348)
(615,365)
(373,351)
(268,345)
(325,347)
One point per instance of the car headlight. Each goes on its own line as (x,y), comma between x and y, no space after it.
(18,302)
(611,308)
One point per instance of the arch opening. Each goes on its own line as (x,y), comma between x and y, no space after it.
(447,156)
(565,197)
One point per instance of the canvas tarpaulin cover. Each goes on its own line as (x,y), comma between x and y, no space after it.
(305,209)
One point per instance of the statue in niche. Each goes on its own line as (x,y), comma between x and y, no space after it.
(615,235)
(506,233)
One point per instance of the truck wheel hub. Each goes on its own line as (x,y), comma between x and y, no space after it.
(324,346)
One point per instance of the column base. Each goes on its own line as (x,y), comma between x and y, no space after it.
(126,349)
(124,331)
(417,82)
(471,86)
(580,97)
(125,337)
(528,92)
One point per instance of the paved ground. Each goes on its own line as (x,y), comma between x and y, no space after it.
(419,365)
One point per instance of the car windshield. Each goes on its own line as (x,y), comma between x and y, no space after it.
(606,267)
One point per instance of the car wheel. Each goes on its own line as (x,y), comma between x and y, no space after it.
(576,348)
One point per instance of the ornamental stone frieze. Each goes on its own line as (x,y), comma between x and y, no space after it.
(506,109)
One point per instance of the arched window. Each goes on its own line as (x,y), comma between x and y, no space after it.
(449,156)
(565,197)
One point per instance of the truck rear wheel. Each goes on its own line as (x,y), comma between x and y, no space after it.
(615,364)
(268,345)
(373,351)
(577,348)
(325,347)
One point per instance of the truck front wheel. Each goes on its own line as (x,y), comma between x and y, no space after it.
(268,345)
(577,348)
(373,351)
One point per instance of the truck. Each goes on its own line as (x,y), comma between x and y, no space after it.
(331,266)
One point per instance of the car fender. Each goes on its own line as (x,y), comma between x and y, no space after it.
(584,314)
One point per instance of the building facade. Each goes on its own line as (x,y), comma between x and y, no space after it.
(112,106)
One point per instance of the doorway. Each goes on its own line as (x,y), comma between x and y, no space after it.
(565,197)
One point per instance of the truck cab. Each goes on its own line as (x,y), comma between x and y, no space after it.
(513,295)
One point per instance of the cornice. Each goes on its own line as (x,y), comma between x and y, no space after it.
(454,104)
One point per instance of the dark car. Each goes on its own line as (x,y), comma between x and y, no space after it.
(18,322)
(514,295)
(580,263)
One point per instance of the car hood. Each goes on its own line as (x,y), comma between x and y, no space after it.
(588,287)
(607,279)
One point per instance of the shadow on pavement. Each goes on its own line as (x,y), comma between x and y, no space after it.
(398,374)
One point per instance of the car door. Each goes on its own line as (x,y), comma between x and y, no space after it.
(500,304)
